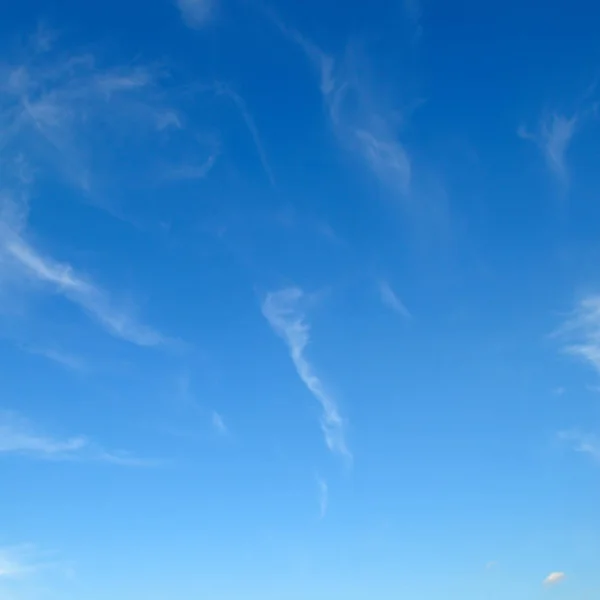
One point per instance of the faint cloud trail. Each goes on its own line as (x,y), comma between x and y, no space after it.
(282,311)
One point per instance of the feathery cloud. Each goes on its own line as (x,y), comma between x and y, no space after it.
(283,312)
(240,104)
(391,300)
(360,127)
(582,442)
(218,423)
(192,171)
(62,279)
(553,138)
(19,437)
(582,331)
(554,578)
(195,13)
(64,359)
(323,496)
(17,561)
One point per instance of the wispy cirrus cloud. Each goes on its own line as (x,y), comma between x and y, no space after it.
(69,361)
(323,489)
(62,279)
(240,104)
(585,443)
(17,562)
(196,13)
(283,311)
(192,171)
(581,331)
(19,437)
(218,423)
(554,578)
(361,126)
(553,137)
(392,300)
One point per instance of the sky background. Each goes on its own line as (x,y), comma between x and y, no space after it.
(299,300)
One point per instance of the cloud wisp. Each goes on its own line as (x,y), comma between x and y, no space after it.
(16,562)
(218,423)
(392,301)
(282,309)
(323,489)
(196,13)
(585,443)
(581,331)
(19,437)
(361,127)
(192,171)
(554,578)
(62,279)
(64,359)
(239,103)
(553,137)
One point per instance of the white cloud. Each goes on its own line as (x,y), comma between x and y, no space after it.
(195,13)
(582,331)
(240,105)
(582,442)
(192,171)
(362,127)
(66,114)
(63,279)
(17,562)
(553,138)
(391,300)
(19,437)
(62,358)
(282,311)
(323,496)
(554,578)
(218,423)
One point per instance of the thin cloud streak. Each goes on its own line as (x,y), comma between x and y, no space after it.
(240,104)
(323,496)
(581,331)
(392,301)
(553,138)
(582,442)
(16,562)
(69,361)
(19,437)
(282,311)
(364,131)
(191,172)
(65,281)
(218,423)
(195,13)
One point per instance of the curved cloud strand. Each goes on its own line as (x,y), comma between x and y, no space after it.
(282,311)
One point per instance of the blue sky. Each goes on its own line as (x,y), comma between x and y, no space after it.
(299,301)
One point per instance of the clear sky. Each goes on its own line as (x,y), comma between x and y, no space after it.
(299,300)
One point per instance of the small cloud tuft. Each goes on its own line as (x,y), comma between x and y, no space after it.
(392,301)
(218,423)
(554,578)
(553,137)
(582,442)
(195,13)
